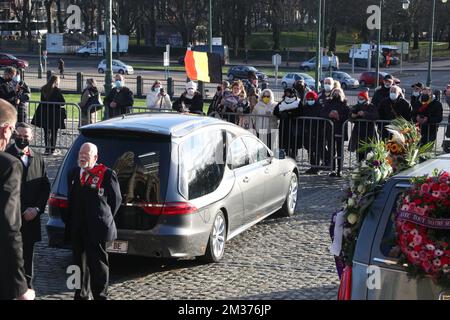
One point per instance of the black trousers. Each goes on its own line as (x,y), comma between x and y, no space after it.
(50,135)
(336,144)
(28,252)
(92,259)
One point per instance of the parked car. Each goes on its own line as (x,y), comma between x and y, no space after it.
(368,79)
(8,60)
(117,67)
(189,183)
(375,248)
(346,81)
(241,72)
(289,79)
(311,63)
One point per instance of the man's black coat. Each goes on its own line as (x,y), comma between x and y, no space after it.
(34,192)
(92,212)
(12,274)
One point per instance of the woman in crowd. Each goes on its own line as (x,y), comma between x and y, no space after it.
(190,101)
(265,123)
(91,102)
(157,98)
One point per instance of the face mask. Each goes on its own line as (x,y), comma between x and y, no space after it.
(425,98)
(190,92)
(157,89)
(311,102)
(388,86)
(290,100)
(328,87)
(266,100)
(361,101)
(416,94)
(118,84)
(22,143)
(393,96)
(16,78)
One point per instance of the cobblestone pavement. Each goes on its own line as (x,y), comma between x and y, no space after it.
(283,258)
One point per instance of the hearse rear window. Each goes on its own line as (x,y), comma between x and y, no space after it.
(141,164)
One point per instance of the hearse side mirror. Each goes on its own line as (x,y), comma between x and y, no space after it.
(280,154)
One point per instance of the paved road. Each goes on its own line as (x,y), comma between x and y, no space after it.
(283,258)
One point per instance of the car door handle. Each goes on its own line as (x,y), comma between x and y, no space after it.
(388,262)
(246,180)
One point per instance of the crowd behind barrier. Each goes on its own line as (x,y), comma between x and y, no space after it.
(309,141)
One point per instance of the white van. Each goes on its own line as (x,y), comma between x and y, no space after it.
(311,63)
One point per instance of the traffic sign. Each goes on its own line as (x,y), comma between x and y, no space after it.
(276,59)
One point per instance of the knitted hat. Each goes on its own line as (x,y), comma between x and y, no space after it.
(312,95)
(364,95)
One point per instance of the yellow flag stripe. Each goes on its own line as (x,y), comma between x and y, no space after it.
(201,65)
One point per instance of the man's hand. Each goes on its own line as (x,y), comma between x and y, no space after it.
(29,295)
(30,214)
(113,104)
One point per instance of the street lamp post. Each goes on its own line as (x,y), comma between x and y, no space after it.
(405,5)
(39,40)
(108,52)
(210,27)
(318,49)
(378,47)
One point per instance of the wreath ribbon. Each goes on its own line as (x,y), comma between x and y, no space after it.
(424,221)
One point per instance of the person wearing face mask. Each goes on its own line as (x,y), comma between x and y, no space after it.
(382,92)
(415,95)
(336,110)
(216,106)
(325,94)
(90,98)
(428,114)
(120,99)
(364,129)
(157,98)
(16,92)
(265,123)
(313,131)
(35,191)
(395,106)
(290,130)
(190,101)
(51,116)
(94,198)
(302,89)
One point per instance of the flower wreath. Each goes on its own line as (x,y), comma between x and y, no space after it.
(423,228)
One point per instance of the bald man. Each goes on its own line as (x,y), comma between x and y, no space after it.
(13,284)
(94,199)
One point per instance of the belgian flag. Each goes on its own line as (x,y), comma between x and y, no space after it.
(203,66)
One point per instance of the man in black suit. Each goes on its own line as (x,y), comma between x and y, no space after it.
(13,284)
(34,193)
(94,199)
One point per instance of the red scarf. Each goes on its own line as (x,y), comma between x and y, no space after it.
(425,105)
(96,176)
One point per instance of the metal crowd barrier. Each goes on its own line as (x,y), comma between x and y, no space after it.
(55,124)
(363,130)
(99,115)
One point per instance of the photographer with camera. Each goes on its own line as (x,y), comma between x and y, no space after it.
(16,92)
(157,98)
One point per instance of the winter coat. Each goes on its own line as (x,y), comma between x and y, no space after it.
(194,104)
(313,129)
(363,130)
(343,110)
(158,101)
(264,113)
(290,129)
(124,100)
(434,113)
(51,116)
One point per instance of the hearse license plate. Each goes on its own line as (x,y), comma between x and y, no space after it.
(117,246)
